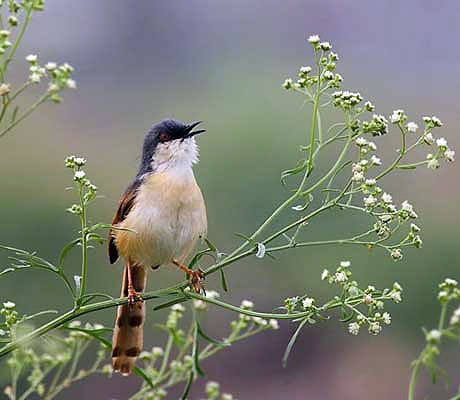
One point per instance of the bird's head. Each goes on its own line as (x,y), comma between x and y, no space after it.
(169,144)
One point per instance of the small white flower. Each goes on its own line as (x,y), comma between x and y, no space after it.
(326,46)
(71,84)
(80,175)
(178,308)
(324,274)
(287,84)
(396,296)
(273,324)
(428,138)
(396,254)
(450,155)
(75,324)
(370,182)
(370,201)
(80,161)
(436,121)
(157,351)
(371,288)
(35,78)
(313,39)
(341,277)
(441,142)
(361,141)
(305,70)
(406,206)
(328,75)
(367,299)
(308,302)
(375,328)
(212,294)
(9,304)
(372,146)
(4,33)
(358,177)
(386,198)
(353,328)
(412,127)
(2,332)
(50,66)
(260,321)
(432,164)
(32,58)
(375,160)
(414,228)
(434,335)
(52,87)
(451,282)
(345,264)
(396,116)
(199,305)
(247,304)
(226,396)
(386,318)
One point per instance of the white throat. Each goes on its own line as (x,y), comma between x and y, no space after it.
(175,156)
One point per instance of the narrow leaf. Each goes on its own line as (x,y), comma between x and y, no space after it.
(292,341)
(210,339)
(65,251)
(188,386)
(143,375)
(222,279)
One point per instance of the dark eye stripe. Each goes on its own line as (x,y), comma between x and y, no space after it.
(164,137)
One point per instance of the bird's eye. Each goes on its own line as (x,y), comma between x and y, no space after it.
(164,137)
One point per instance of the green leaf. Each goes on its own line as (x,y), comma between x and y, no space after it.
(65,251)
(143,375)
(94,334)
(188,386)
(210,339)
(169,303)
(222,279)
(301,166)
(407,167)
(195,354)
(292,341)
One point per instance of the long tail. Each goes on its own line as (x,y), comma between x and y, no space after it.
(128,334)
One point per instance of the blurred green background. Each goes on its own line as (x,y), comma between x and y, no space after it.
(223,63)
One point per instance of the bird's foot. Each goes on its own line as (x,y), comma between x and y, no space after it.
(133,297)
(196,279)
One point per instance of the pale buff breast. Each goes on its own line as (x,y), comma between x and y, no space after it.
(168,218)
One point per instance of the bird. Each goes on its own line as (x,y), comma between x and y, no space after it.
(159,220)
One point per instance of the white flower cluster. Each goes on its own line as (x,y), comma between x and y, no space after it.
(444,152)
(5,43)
(398,117)
(449,291)
(201,305)
(306,78)
(59,76)
(346,100)
(377,126)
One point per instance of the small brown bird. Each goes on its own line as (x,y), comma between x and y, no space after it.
(164,215)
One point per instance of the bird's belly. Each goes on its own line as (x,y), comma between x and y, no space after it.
(166,225)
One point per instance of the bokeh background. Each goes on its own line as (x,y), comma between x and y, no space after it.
(223,63)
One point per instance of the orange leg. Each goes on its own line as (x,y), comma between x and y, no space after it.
(196,277)
(132,294)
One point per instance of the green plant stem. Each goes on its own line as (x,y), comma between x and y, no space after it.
(418,363)
(32,108)
(18,40)
(84,244)
(314,120)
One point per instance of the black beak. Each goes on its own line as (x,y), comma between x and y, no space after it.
(189,128)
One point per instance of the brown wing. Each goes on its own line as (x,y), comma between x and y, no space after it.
(124,207)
